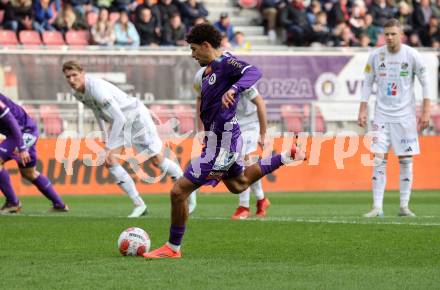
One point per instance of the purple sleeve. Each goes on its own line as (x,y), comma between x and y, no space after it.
(248,74)
(7,118)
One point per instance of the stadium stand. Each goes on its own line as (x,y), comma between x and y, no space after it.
(51,118)
(292,118)
(8,37)
(77,38)
(185,115)
(29,37)
(53,38)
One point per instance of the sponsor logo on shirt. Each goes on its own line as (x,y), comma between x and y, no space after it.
(382,66)
(408,141)
(215,175)
(235,63)
(212,79)
(404,73)
(409,149)
(392,89)
(382,74)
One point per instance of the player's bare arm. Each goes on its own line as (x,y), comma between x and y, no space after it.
(262,119)
(362,117)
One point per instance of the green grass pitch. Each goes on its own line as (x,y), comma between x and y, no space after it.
(308,241)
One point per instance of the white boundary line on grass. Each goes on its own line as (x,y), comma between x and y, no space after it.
(321,220)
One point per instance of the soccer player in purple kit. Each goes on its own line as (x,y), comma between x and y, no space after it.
(21,137)
(223,80)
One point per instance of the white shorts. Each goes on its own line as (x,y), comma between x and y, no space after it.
(250,139)
(402,137)
(141,133)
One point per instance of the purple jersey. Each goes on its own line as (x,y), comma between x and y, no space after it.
(222,74)
(220,157)
(14,122)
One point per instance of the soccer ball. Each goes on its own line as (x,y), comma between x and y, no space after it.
(133,242)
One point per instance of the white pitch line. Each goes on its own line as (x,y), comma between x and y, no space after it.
(322,220)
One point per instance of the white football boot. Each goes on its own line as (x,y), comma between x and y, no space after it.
(192,202)
(375,212)
(138,211)
(405,211)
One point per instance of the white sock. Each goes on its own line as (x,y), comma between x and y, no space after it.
(173,247)
(244,198)
(126,183)
(379,181)
(257,189)
(171,168)
(406,178)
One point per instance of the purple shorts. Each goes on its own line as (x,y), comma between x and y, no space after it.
(216,164)
(8,146)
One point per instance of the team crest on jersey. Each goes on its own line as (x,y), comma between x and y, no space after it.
(404,66)
(212,79)
(382,56)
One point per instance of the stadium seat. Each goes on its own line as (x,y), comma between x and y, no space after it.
(32,112)
(51,118)
(77,38)
(247,4)
(29,37)
(8,37)
(292,118)
(53,38)
(162,114)
(185,115)
(113,17)
(92,18)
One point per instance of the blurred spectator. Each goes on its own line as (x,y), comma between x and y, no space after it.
(371,30)
(198,20)
(313,9)
(103,3)
(122,5)
(346,38)
(102,32)
(293,18)
(321,32)
(225,44)
(436,9)
(147,28)
(339,13)
(167,8)
(69,19)
(380,13)
(82,6)
(155,12)
(364,40)
(414,40)
(44,16)
(430,33)
(125,32)
(357,18)
(18,15)
(224,26)
(191,10)
(422,14)
(405,17)
(239,42)
(174,32)
(270,10)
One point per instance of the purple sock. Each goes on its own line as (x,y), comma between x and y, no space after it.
(45,187)
(6,188)
(176,235)
(270,164)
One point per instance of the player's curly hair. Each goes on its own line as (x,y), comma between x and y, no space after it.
(204,32)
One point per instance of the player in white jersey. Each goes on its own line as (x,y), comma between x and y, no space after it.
(393,67)
(251,116)
(130,126)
